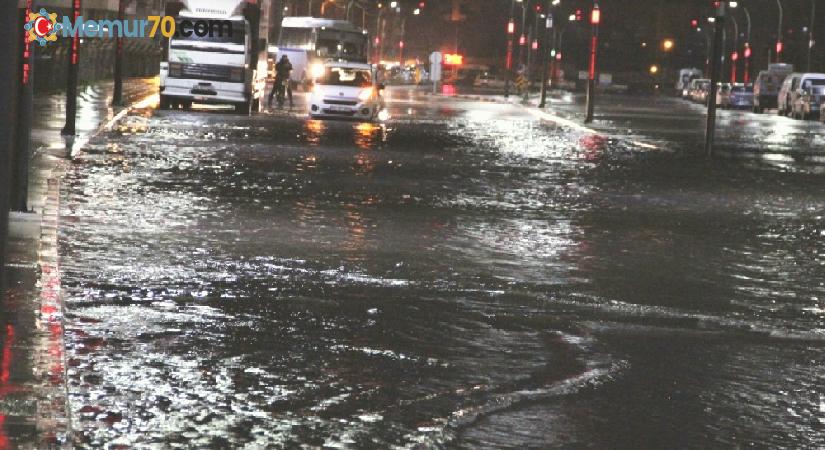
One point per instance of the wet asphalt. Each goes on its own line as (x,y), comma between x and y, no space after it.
(464,275)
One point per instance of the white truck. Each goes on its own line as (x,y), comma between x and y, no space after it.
(218,54)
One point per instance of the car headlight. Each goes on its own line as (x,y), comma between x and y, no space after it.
(365,95)
(175,69)
(316,70)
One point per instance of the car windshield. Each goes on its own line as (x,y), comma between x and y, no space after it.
(341,76)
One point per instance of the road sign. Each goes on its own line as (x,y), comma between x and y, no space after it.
(435,66)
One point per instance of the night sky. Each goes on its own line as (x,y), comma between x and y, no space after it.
(626,25)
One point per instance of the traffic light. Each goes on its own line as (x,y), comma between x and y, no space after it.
(579,15)
(694,23)
(779,47)
(596,16)
(747,51)
(734,56)
(422,5)
(511,27)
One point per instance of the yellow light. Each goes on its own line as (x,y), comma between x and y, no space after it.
(654,69)
(668,44)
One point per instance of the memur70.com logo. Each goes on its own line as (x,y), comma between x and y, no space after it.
(43,27)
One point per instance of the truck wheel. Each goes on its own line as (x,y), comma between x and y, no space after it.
(164,103)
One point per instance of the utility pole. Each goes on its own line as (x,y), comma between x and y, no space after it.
(508,64)
(22,153)
(718,27)
(117,93)
(747,50)
(779,44)
(10,34)
(811,33)
(545,56)
(71,79)
(595,19)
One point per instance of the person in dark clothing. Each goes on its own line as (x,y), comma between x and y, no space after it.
(283,69)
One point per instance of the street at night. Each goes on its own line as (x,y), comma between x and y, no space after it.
(436,253)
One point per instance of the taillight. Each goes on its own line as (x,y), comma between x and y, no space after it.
(175,69)
(236,74)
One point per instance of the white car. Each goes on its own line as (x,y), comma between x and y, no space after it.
(345,90)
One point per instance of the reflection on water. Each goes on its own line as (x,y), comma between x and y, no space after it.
(232,281)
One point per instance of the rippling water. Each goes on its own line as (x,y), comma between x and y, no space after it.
(271,281)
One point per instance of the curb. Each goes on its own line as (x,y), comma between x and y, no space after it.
(53,416)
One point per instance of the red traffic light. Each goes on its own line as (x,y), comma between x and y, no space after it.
(558,56)
(511,27)
(579,15)
(596,16)
(421,5)
(734,56)
(522,40)
(779,47)
(747,52)
(694,23)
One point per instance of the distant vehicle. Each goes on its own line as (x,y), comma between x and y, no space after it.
(740,97)
(346,90)
(485,79)
(805,101)
(227,65)
(699,90)
(685,77)
(310,41)
(723,95)
(794,87)
(767,84)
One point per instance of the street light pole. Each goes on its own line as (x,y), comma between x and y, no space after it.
(508,63)
(595,19)
(10,33)
(735,54)
(545,56)
(71,79)
(117,93)
(747,50)
(779,45)
(811,33)
(715,60)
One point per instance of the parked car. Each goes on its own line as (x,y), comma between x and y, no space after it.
(740,97)
(723,95)
(347,91)
(767,84)
(699,90)
(685,77)
(806,104)
(794,87)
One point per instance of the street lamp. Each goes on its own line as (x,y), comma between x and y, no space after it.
(595,20)
(667,45)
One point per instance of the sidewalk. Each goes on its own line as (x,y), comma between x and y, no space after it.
(33,407)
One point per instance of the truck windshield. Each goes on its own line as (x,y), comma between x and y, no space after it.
(340,76)
(210,30)
(296,38)
(341,44)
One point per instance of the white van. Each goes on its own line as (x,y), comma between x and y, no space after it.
(767,84)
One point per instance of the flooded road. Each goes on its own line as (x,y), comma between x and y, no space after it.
(464,276)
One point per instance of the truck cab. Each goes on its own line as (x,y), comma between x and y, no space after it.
(217,55)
